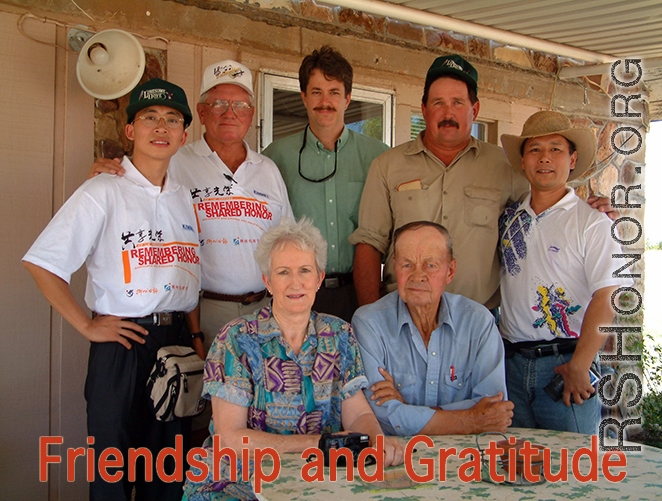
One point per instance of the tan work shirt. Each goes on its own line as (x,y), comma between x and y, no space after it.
(409,183)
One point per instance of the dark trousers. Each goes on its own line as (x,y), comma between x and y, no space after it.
(339,301)
(118,416)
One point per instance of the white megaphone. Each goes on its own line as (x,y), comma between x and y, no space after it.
(110,64)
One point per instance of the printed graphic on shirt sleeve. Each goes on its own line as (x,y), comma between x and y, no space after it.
(514,225)
(554,309)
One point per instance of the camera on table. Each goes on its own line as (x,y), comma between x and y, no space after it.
(355,442)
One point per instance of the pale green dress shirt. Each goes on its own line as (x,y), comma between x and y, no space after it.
(333,205)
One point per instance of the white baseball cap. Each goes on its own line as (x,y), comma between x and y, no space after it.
(227,72)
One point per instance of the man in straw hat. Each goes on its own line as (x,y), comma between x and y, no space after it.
(556,279)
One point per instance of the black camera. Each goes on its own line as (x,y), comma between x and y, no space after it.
(355,442)
(555,388)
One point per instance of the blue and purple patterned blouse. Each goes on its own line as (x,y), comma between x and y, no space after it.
(249,364)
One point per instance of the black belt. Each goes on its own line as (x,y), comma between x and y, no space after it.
(335,280)
(159,319)
(537,349)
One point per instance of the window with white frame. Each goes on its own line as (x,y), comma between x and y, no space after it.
(282,112)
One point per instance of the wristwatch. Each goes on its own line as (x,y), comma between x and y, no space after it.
(200,335)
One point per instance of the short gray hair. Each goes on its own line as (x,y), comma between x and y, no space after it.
(302,234)
(415,225)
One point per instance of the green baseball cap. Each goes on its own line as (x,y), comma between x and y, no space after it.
(453,65)
(158,92)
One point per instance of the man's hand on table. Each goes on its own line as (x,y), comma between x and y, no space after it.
(492,414)
(394,451)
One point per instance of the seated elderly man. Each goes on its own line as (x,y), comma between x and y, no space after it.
(434,360)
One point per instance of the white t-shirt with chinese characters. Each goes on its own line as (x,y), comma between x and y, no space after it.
(233,210)
(140,244)
(551,264)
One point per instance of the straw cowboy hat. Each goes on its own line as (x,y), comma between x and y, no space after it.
(546,123)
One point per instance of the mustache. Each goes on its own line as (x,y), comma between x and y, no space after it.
(448,122)
(325,108)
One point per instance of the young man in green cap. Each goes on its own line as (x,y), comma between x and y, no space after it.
(137,235)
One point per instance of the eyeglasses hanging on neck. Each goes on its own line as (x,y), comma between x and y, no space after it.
(335,159)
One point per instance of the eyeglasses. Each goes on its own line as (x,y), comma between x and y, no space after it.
(335,159)
(240,108)
(151,120)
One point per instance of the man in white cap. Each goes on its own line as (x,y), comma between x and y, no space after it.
(556,280)
(237,195)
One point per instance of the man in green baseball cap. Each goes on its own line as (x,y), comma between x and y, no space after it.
(446,176)
(455,66)
(137,235)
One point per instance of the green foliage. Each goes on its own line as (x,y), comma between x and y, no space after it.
(373,127)
(417,125)
(651,405)
(653,245)
(651,413)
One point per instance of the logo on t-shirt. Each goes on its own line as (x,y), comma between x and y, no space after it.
(147,248)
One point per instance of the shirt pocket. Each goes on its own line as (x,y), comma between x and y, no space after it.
(411,205)
(406,385)
(455,387)
(481,207)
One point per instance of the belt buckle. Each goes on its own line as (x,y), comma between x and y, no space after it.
(332,283)
(539,351)
(160,319)
(248,299)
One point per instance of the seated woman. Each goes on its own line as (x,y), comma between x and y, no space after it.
(285,374)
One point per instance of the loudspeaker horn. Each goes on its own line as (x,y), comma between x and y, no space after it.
(110,64)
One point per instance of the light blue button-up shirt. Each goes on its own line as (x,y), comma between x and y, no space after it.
(463,362)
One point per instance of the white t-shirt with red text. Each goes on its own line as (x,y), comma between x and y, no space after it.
(140,244)
(233,210)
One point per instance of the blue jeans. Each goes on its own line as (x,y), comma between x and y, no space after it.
(526,379)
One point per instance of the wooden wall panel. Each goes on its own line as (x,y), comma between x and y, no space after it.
(26,150)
